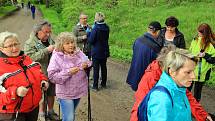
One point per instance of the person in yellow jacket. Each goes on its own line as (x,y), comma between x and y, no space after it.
(202,47)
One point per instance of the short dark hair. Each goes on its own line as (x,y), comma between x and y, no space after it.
(172,21)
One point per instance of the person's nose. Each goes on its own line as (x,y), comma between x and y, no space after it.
(71,44)
(193,75)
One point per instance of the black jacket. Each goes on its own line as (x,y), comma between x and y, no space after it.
(178,39)
(209,58)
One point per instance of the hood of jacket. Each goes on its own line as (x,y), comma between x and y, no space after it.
(101,26)
(154,68)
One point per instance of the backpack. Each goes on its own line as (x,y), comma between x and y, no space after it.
(142,109)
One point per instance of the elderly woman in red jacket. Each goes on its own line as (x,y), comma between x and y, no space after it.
(20,81)
(151,77)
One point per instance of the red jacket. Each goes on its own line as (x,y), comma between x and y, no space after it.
(149,79)
(12,75)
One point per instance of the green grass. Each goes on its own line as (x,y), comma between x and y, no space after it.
(52,16)
(6,9)
(127,22)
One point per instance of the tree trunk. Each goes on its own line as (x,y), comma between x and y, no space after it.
(47,3)
(12,2)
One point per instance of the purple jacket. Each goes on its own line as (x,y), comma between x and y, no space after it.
(68,86)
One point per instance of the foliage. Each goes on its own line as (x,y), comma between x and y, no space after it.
(120,53)
(52,16)
(57,5)
(128,21)
(170,3)
(6,9)
(5,3)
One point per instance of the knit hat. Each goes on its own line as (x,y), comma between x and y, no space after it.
(155,25)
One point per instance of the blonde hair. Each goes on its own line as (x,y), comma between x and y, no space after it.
(64,37)
(99,17)
(5,35)
(175,59)
(164,51)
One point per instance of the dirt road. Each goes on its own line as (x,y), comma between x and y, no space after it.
(111,104)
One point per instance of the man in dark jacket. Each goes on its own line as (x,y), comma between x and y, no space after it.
(98,38)
(145,50)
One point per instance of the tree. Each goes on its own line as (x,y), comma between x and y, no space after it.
(47,3)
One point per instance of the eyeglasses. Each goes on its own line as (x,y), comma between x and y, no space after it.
(83,18)
(16,45)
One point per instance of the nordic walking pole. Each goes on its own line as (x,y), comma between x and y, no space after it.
(59,112)
(45,101)
(89,104)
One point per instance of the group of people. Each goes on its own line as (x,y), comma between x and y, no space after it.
(30,7)
(93,40)
(60,68)
(160,60)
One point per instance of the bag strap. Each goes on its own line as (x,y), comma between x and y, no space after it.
(142,109)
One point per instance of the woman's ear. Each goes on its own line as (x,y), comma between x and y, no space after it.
(172,73)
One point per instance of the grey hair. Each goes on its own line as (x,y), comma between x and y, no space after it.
(65,37)
(82,14)
(175,59)
(5,35)
(99,17)
(39,26)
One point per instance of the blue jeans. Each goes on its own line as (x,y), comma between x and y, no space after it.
(68,107)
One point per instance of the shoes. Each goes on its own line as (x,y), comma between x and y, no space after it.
(103,87)
(95,89)
(53,116)
(90,78)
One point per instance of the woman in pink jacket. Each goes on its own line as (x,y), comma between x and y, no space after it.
(67,70)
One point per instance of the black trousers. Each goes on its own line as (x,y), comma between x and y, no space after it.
(97,63)
(198,86)
(30,116)
(197,89)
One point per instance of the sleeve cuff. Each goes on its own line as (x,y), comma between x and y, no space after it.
(13,94)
